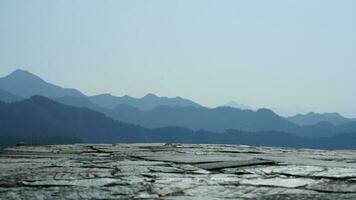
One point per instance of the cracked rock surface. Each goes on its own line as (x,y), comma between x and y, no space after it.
(175,171)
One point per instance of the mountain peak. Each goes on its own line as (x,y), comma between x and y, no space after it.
(25,84)
(311,113)
(105,95)
(334,114)
(22,74)
(19,71)
(150,96)
(265,111)
(234,104)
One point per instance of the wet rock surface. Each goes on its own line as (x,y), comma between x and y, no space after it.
(175,171)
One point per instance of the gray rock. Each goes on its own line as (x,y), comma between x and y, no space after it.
(175,171)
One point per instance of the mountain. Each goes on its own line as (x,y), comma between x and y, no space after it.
(223,118)
(233,104)
(147,102)
(24,84)
(216,120)
(196,118)
(314,118)
(40,117)
(40,120)
(152,111)
(7,97)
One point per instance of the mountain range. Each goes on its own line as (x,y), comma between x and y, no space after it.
(202,118)
(39,120)
(41,110)
(224,118)
(314,118)
(147,102)
(24,84)
(215,120)
(39,117)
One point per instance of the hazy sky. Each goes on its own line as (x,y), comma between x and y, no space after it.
(285,53)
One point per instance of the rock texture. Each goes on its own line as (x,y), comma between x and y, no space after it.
(174,171)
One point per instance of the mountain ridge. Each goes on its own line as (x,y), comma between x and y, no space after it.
(211,119)
(151,111)
(42,120)
(25,84)
(82,123)
(147,102)
(314,118)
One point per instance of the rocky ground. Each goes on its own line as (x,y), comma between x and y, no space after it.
(174,171)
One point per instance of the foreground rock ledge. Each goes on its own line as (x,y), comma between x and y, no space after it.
(174,171)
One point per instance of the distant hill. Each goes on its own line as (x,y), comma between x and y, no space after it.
(7,97)
(152,111)
(24,84)
(40,120)
(324,129)
(147,102)
(233,104)
(223,118)
(40,117)
(215,120)
(196,118)
(314,118)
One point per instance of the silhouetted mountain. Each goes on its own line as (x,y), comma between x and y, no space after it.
(223,118)
(216,120)
(44,121)
(147,102)
(314,118)
(25,84)
(324,129)
(196,118)
(149,111)
(39,117)
(233,104)
(321,129)
(7,97)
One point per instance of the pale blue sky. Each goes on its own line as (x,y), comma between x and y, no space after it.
(285,53)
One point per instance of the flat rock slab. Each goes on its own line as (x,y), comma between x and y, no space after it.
(175,171)
(231,164)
